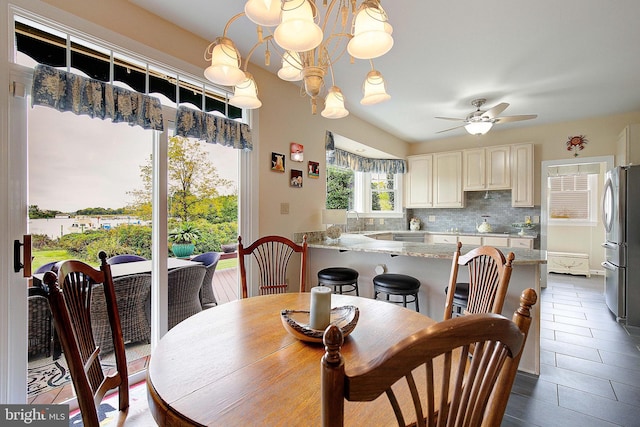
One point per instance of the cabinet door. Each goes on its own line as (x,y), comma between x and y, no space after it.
(498,171)
(419,182)
(516,242)
(447,180)
(470,240)
(497,242)
(522,175)
(444,238)
(473,163)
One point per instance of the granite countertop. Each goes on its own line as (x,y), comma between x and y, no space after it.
(362,243)
(528,235)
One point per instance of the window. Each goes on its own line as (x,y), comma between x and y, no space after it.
(572,199)
(375,194)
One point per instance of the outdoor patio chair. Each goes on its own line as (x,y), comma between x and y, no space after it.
(210,261)
(40,324)
(121,259)
(184,292)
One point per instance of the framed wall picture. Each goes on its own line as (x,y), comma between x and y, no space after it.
(297,152)
(296,178)
(313,169)
(277,162)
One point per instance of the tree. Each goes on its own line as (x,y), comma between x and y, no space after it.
(193,182)
(339,188)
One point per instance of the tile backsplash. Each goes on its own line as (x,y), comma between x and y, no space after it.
(497,206)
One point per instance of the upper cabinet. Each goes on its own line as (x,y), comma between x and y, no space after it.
(522,175)
(628,146)
(419,181)
(447,180)
(487,168)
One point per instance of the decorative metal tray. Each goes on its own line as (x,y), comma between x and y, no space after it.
(296,322)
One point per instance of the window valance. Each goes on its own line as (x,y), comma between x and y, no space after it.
(213,129)
(345,159)
(66,91)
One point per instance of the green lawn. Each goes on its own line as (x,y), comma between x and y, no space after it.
(227,263)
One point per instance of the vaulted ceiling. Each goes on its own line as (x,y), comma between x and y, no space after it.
(562,60)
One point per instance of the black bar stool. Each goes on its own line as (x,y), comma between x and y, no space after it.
(397,284)
(341,279)
(460,298)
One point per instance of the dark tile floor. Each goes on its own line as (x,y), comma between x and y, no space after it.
(590,364)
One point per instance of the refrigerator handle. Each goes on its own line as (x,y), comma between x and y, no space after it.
(609,245)
(607,265)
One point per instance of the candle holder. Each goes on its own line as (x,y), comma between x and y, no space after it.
(296,322)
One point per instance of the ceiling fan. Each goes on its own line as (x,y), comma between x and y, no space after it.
(480,121)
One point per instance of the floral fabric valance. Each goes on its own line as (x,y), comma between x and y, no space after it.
(66,91)
(345,159)
(213,129)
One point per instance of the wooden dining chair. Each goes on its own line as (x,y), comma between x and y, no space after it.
(489,275)
(70,301)
(272,255)
(433,370)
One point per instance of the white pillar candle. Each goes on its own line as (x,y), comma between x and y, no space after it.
(320,315)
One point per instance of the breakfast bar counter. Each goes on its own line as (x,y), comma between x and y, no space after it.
(431,264)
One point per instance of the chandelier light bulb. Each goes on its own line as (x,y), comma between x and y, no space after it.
(263,12)
(371,33)
(225,64)
(478,128)
(374,89)
(334,105)
(297,30)
(245,94)
(291,70)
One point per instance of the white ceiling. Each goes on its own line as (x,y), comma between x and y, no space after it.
(562,60)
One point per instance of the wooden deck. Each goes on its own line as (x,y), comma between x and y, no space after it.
(225,285)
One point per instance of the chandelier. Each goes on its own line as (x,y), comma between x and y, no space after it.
(308,45)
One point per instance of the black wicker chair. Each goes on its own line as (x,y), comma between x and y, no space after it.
(40,323)
(184,292)
(121,259)
(210,261)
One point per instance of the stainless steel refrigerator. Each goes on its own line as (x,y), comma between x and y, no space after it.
(621,217)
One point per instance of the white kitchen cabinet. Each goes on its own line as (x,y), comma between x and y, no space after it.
(516,242)
(419,181)
(568,262)
(522,175)
(470,240)
(447,180)
(487,168)
(444,238)
(628,146)
(498,242)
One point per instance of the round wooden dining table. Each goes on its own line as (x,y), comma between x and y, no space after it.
(236,364)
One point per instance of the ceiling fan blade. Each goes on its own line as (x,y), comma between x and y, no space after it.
(447,130)
(495,111)
(507,119)
(450,118)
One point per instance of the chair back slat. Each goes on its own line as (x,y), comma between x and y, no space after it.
(272,255)
(453,373)
(71,285)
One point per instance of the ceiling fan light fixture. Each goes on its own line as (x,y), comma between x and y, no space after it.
(297,30)
(371,32)
(478,128)
(245,94)
(374,89)
(263,12)
(225,63)
(334,105)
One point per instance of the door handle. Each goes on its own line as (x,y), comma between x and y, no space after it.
(26,252)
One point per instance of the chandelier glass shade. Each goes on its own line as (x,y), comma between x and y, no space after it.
(307,48)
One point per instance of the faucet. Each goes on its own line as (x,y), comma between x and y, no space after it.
(357,219)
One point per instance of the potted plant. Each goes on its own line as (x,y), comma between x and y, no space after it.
(183,239)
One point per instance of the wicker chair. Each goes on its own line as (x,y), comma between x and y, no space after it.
(121,259)
(40,323)
(184,293)
(210,261)
(132,298)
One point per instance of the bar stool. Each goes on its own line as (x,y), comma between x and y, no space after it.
(397,284)
(341,279)
(460,298)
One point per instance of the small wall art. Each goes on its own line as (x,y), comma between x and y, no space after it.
(277,162)
(576,143)
(297,152)
(313,169)
(296,178)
